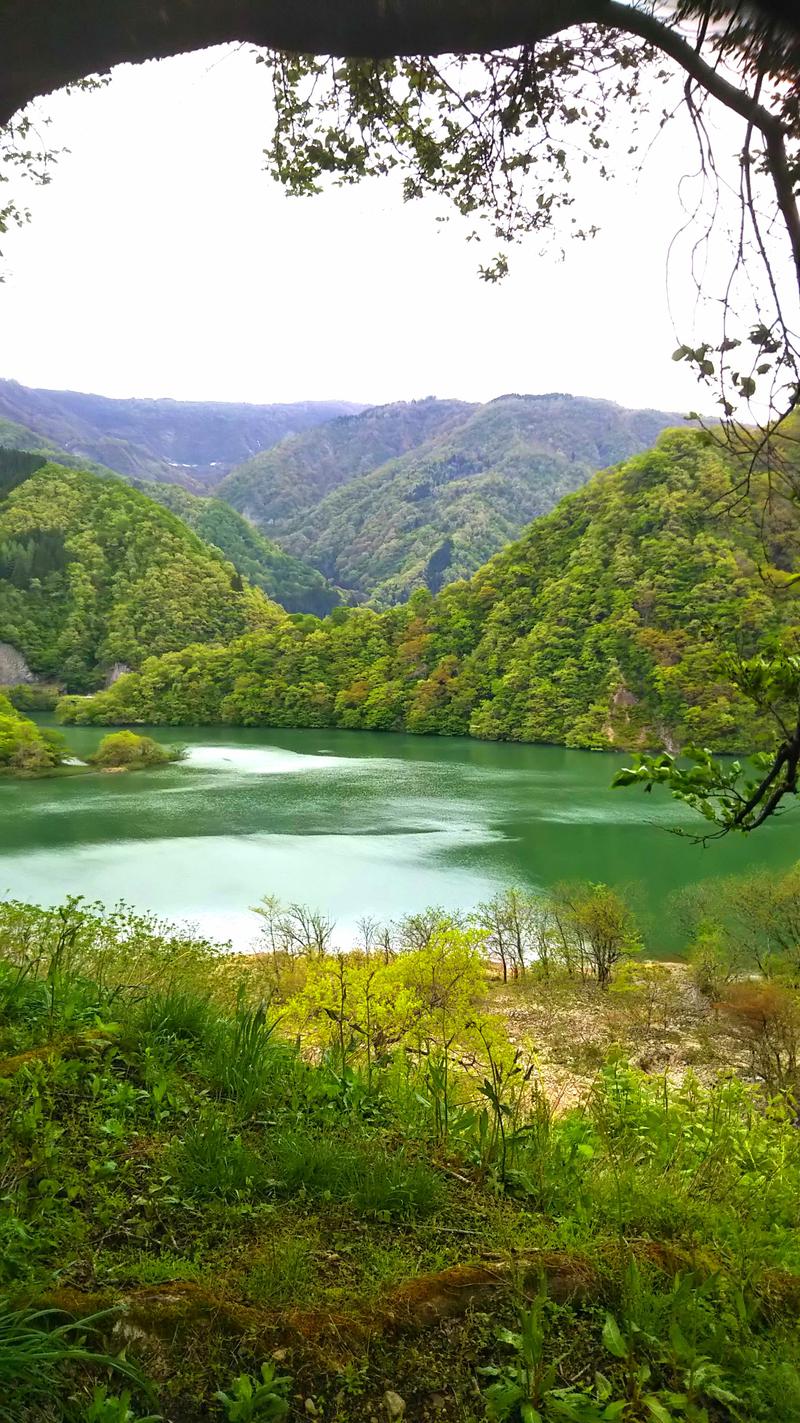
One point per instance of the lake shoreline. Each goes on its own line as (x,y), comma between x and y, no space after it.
(389,823)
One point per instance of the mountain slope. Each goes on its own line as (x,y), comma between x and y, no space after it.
(439,512)
(289,479)
(93,573)
(16,438)
(295,585)
(191,442)
(602,625)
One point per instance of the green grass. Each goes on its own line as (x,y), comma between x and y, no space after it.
(37,1347)
(178,1139)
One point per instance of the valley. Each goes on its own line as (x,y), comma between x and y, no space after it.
(399,873)
(358,1027)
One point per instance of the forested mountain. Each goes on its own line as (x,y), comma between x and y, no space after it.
(291,582)
(603,625)
(393,498)
(14,437)
(284,482)
(438,513)
(409,496)
(188,442)
(93,573)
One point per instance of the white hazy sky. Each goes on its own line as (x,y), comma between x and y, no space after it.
(161,260)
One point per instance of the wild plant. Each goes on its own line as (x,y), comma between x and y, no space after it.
(35,1351)
(245,1057)
(22,996)
(694,1379)
(504,1089)
(212,1161)
(373,1181)
(176,1017)
(252,1400)
(281,1273)
(106,1407)
(523,1388)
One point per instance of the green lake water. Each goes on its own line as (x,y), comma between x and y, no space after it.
(352,823)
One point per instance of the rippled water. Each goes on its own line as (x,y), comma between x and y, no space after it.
(351,823)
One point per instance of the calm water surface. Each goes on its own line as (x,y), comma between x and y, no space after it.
(351,823)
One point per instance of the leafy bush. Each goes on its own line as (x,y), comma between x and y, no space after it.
(24,747)
(127,750)
(32,696)
(257,1401)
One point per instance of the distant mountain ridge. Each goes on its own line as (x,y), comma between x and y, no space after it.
(419,494)
(277,486)
(374,501)
(288,580)
(193,443)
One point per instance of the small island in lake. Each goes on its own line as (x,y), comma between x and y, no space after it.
(28,750)
(128,751)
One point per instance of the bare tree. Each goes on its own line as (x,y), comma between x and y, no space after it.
(294,929)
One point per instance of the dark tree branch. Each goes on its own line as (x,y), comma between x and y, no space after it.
(45,44)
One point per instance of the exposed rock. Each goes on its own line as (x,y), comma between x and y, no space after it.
(13,667)
(395,1405)
(668,741)
(623,698)
(118,670)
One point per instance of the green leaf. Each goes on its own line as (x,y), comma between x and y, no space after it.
(657,1410)
(613,1339)
(507,1336)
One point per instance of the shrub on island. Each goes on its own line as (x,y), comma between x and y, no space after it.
(128,751)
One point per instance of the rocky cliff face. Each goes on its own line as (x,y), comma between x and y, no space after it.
(13,667)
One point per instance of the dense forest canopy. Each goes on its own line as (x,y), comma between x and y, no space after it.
(605,624)
(438,512)
(93,573)
(280,485)
(288,580)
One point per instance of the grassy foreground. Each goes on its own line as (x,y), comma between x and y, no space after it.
(334,1187)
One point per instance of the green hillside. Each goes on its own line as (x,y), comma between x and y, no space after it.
(416,496)
(291,582)
(192,442)
(93,573)
(441,511)
(280,484)
(601,626)
(14,437)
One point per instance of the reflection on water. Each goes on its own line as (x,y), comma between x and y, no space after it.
(352,823)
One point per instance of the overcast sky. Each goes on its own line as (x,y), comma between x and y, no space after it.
(161,260)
